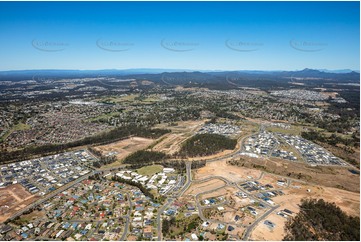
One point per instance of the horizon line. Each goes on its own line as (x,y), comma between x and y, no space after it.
(181,69)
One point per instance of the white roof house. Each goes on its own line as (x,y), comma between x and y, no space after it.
(194,237)
(168,170)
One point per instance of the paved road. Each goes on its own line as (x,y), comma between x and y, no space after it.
(171,200)
(255,223)
(127,219)
(52,194)
(200,208)
(93,230)
(159,219)
(213,177)
(100,170)
(61,189)
(189,179)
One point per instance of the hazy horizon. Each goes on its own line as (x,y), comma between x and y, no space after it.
(186,70)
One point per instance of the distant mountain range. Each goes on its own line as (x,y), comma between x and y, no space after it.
(338,71)
(181,76)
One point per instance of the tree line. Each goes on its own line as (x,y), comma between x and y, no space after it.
(206,144)
(333,139)
(103,160)
(176,164)
(144,190)
(321,220)
(144,157)
(103,138)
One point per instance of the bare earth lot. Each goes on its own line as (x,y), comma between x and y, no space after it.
(204,186)
(347,201)
(173,141)
(183,127)
(232,173)
(125,147)
(263,232)
(317,182)
(226,192)
(330,176)
(13,198)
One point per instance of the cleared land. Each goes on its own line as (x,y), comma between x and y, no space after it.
(183,127)
(225,192)
(232,173)
(125,147)
(217,155)
(263,232)
(204,186)
(330,176)
(171,143)
(13,198)
(347,201)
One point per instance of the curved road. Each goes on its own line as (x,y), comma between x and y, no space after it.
(255,223)
(171,199)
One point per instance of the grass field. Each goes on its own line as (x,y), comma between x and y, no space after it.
(294,130)
(150,170)
(119,99)
(151,98)
(288,148)
(130,98)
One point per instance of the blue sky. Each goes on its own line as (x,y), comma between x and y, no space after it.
(184,35)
